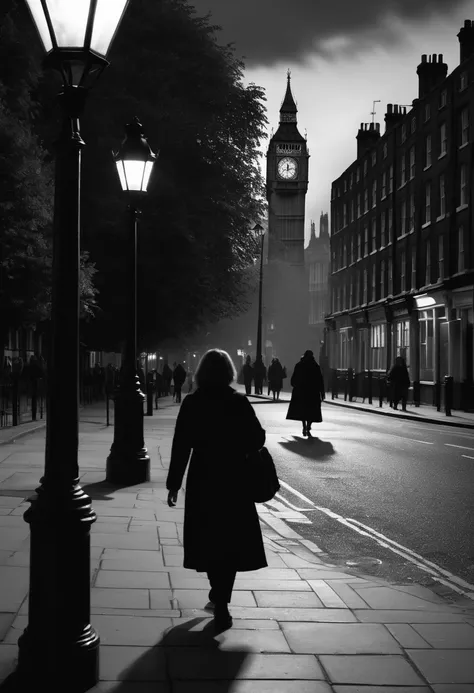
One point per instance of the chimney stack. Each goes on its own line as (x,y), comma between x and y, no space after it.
(431,72)
(394,115)
(466,40)
(367,137)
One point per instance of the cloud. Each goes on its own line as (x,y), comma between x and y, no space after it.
(269,31)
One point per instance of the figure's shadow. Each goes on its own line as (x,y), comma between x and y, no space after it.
(314,448)
(189,652)
(102,490)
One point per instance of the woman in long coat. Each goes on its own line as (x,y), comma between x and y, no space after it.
(275,378)
(222,532)
(308,392)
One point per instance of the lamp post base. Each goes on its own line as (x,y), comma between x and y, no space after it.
(128,462)
(59,649)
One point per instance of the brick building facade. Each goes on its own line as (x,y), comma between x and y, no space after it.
(402,251)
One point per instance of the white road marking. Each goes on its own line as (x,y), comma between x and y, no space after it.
(290,505)
(296,493)
(463,447)
(469,457)
(419,441)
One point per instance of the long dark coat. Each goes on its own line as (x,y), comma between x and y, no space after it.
(275,376)
(308,391)
(221,524)
(399,380)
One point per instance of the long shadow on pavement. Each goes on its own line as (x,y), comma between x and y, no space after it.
(314,448)
(192,657)
(102,490)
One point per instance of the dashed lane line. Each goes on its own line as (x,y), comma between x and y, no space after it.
(469,457)
(462,447)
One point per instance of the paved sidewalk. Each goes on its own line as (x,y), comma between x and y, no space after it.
(423,413)
(300,625)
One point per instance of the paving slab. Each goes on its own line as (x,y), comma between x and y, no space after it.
(391,598)
(386,670)
(5,622)
(457,636)
(253,687)
(125,541)
(120,598)
(287,599)
(123,663)
(151,563)
(408,637)
(191,599)
(405,616)
(8,659)
(294,614)
(205,620)
(335,638)
(131,687)
(329,598)
(130,630)
(347,594)
(452,688)
(243,583)
(445,666)
(382,689)
(211,664)
(14,581)
(132,578)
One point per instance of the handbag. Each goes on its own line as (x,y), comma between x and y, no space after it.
(264,479)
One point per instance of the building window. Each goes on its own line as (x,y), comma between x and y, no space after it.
(358,205)
(463,192)
(402,340)
(366,240)
(442,195)
(358,174)
(390,224)
(344,349)
(403,218)
(403,262)
(443,139)
(357,289)
(427,151)
(464,126)
(351,180)
(352,249)
(352,211)
(344,254)
(385,150)
(345,185)
(427,112)
(428,263)
(461,264)
(443,98)
(390,278)
(384,185)
(344,214)
(404,132)
(374,284)
(366,200)
(390,179)
(413,124)
(427,216)
(403,170)
(462,81)
(382,279)
(412,162)
(425,321)
(374,233)
(383,239)
(366,164)
(411,214)
(364,288)
(374,157)
(413,268)
(359,254)
(378,347)
(351,294)
(374,193)
(441,257)
(344,297)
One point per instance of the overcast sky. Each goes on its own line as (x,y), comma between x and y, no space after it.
(343,55)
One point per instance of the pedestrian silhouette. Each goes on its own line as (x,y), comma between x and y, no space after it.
(247,371)
(275,378)
(308,392)
(399,381)
(222,532)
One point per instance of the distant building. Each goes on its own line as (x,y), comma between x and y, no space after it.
(402,243)
(317,260)
(285,293)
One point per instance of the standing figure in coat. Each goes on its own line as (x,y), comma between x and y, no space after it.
(275,378)
(221,526)
(247,371)
(308,393)
(399,380)
(259,375)
(179,376)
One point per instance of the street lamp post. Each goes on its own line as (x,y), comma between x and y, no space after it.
(258,229)
(128,461)
(59,643)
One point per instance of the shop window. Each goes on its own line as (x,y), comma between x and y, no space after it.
(344,349)
(378,348)
(425,320)
(402,340)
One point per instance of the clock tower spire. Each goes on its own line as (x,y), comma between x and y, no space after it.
(288,108)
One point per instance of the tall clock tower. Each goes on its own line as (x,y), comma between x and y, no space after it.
(287,184)
(286,291)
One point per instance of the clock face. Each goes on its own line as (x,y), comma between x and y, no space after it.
(287,168)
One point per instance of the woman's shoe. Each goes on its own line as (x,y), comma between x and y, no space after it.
(222,618)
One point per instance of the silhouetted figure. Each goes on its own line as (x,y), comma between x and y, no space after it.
(167,375)
(179,376)
(399,381)
(308,392)
(259,375)
(275,378)
(247,371)
(222,532)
